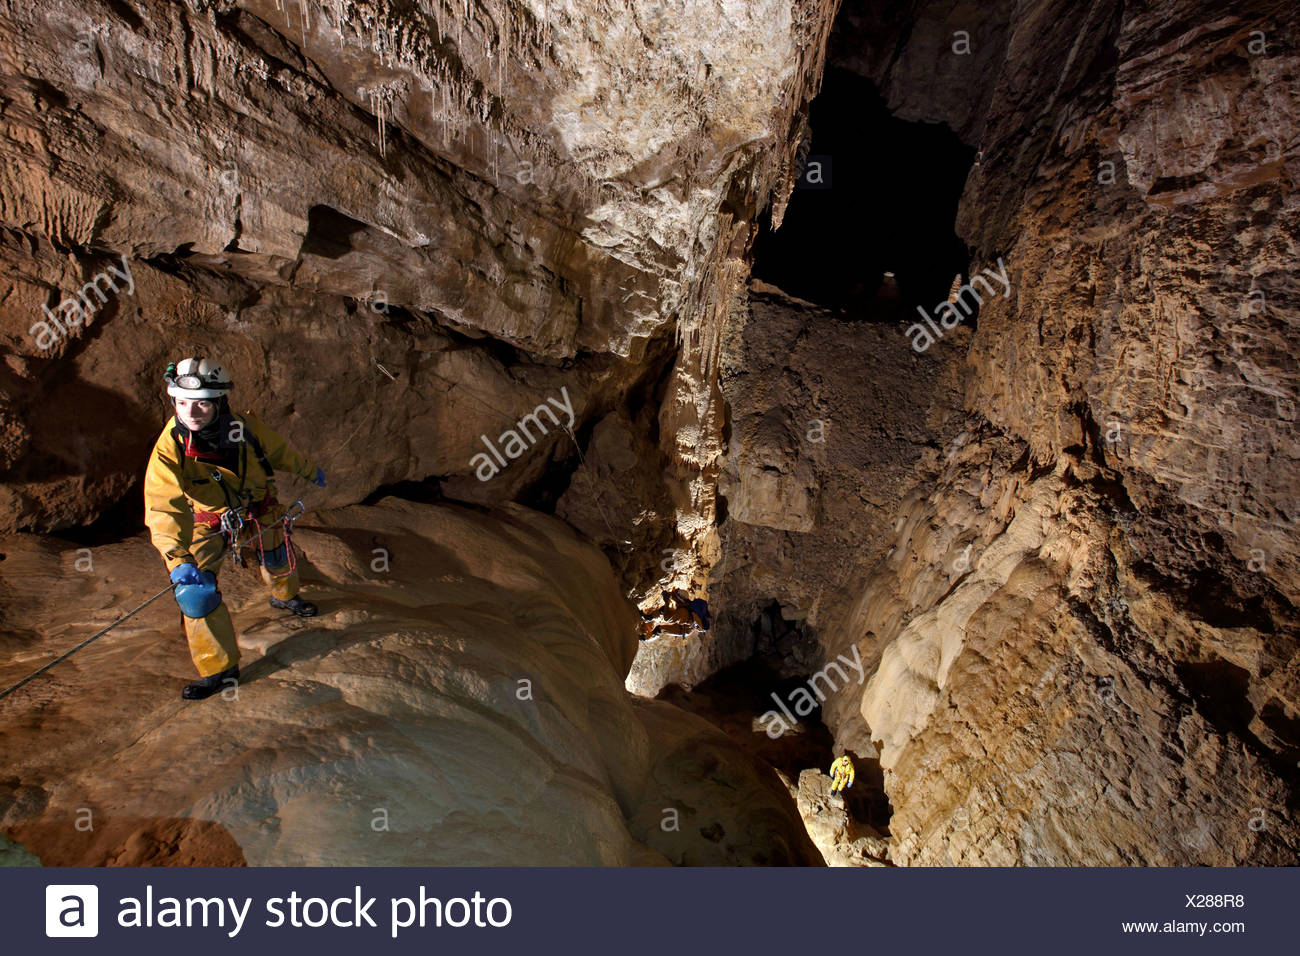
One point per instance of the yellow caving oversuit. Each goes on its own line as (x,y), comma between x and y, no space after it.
(184,500)
(842,773)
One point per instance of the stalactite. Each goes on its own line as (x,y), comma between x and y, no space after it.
(546,22)
(381,99)
(378,103)
(339,13)
(502,55)
(441,114)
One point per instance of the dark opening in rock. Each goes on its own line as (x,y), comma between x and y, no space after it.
(877,195)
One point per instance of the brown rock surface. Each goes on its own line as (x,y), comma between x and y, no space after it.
(1063,541)
(830,421)
(464,706)
(480,205)
(841,841)
(1086,636)
(1039,700)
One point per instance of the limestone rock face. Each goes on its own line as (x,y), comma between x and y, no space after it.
(458,701)
(830,423)
(1084,640)
(828,823)
(397,223)
(617,497)
(933,61)
(1039,699)
(692,763)
(1062,542)
(1154,311)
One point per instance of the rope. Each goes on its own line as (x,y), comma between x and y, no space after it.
(583,458)
(287,523)
(595,494)
(291,554)
(63,657)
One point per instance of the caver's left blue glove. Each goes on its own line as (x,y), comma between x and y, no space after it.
(320,477)
(187,573)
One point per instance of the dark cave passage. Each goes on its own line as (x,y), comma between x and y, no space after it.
(751,702)
(877,195)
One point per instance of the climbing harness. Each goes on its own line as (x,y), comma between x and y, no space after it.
(288,519)
(232,522)
(286,524)
(240,511)
(203,378)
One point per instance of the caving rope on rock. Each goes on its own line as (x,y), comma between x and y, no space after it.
(121,620)
(595,497)
(193,384)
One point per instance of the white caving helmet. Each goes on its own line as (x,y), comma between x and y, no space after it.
(198,378)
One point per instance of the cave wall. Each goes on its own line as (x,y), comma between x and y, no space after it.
(491,202)
(1090,606)
(1085,643)
(401,226)
(830,421)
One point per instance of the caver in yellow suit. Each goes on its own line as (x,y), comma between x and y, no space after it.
(193,479)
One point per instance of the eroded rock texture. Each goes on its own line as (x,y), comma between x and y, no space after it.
(1061,542)
(465,705)
(830,422)
(403,226)
(1086,634)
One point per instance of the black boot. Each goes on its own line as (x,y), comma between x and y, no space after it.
(205,687)
(297,605)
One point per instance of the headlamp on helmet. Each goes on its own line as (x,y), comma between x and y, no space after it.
(196,378)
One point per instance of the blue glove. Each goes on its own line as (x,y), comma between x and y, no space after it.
(186,574)
(320,478)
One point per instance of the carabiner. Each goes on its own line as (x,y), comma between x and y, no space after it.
(232,522)
(291,516)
